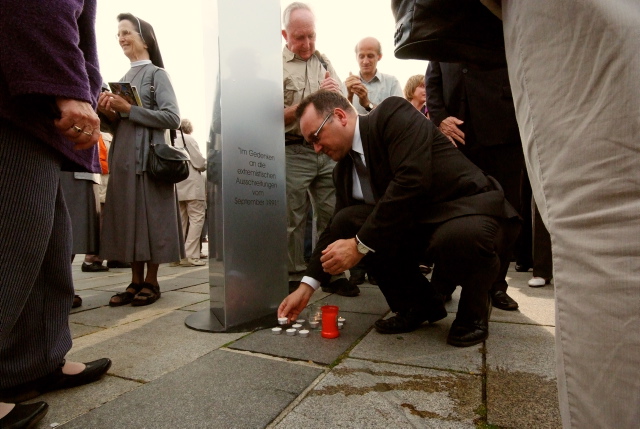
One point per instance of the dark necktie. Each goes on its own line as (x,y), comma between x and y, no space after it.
(363,176)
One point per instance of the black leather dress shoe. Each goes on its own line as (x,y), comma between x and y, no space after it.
(467,334)
(503,301)
(55,381)
(93,267)
(118,264)
(24,416)
(357,279)
(342,287)
(410,320)
(522,268)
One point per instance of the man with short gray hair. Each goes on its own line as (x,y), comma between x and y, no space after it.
(308,174)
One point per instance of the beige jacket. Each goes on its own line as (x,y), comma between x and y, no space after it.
(193,188)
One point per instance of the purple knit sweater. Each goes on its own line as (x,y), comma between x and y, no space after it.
(48,50)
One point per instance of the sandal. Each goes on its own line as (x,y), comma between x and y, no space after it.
(126,297)
(146,298)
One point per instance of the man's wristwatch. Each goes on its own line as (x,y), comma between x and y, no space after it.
(362,249)
(369,107)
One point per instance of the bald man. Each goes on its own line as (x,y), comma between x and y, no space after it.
(366,90)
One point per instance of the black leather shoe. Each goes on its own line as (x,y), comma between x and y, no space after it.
(503,301)
(342,287)
(522,268)
(94,267)
(372,280)
(357,279)
(118,264)
(55,381)
(467,334)
(77,301)
(24,416)
(410,320)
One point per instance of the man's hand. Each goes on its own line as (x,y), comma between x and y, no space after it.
(355,86)
(292,305)
(330,84)
(340,256)
(449,127)
(78,122)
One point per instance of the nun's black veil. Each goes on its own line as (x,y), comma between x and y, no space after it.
(148,37)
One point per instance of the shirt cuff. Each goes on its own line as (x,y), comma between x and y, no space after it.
(360,241)
(315,284)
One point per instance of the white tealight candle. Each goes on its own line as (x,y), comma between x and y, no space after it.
(341,320)
(304,333)
(291,331)
(297,326)
(282,320)
(276,331)
(340,325)
(300,321)
(314,324)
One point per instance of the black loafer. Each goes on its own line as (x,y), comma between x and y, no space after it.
(93,267)
(357,279)
(522,268)
(118,264)
(410,320)
(24,416)
(466,335)
(55,381)
(342,287)
(501,300)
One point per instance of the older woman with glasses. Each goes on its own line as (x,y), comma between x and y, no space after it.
(141,217)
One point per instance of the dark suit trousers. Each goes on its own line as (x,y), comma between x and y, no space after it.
(36,287)
(465,251)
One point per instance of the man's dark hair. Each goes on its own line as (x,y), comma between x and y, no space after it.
(324,102)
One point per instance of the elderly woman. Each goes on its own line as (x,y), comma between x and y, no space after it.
(141,218)
(416,94)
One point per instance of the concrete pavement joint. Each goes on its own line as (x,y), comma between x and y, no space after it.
(307,363)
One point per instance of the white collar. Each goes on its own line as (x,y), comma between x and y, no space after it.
(140,63)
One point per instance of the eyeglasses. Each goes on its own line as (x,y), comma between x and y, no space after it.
(314,136)
(124,34)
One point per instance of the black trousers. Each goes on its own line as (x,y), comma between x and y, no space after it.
(466,251)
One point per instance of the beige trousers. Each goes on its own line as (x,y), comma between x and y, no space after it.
(574,68)
(192,213)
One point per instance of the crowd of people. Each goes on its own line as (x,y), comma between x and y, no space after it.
(397,180)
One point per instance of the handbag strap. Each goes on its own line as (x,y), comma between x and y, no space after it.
(154,104)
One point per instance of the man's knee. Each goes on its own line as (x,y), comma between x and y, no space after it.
(348,221)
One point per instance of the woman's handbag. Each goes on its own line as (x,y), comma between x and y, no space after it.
(167,163)
(450,31)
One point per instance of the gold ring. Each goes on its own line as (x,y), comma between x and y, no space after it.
(77,129)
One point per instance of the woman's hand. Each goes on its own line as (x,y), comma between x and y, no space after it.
(78,122)
(111,102)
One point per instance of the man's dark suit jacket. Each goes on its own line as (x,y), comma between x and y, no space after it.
(480,97)
(417,177)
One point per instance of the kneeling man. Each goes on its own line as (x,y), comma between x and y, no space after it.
(403,190)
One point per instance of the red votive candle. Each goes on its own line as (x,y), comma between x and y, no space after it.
(330,321)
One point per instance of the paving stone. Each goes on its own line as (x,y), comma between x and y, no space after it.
(521,384)
(65,405)
(425,347)
(536,306)
(220,390)
(105,279)
(148,348)
(198,306)
(78,330)
(522,348)
(359,394)
(201,288)
(314,347)
(92,299)
(107,317)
